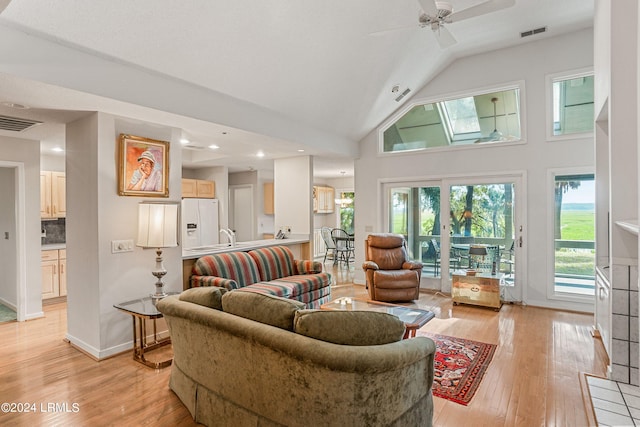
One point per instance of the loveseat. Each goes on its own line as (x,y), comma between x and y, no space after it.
(271,270)
(243,358)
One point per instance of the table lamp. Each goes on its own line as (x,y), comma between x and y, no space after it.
(158,228)
(476,251)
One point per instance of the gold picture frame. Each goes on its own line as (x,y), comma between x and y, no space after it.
(143,166)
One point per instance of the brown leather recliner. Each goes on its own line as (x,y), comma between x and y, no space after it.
(390,275)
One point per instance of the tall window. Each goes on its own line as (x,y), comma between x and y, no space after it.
(574,234)
(484,117)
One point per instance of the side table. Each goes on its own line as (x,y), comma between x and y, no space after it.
(141,310)
(482,289)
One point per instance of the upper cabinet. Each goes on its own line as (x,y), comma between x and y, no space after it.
(323,199)
(53,195)
(198,188)
(268,198)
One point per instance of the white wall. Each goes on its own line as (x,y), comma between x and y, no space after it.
(27,153)
(8,245)
(292,194)
(530,63)
(97,215)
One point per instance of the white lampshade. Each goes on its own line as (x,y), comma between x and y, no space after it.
(157,225)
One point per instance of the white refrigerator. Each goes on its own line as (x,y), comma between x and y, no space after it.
(199,223)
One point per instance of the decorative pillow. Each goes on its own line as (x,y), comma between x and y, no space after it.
(263,308)
(349,327)
(208,296)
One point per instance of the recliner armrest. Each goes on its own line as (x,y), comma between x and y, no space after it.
(412,265)
(370,265)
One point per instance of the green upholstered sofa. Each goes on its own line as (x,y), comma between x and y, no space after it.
(243,358)
(271,270)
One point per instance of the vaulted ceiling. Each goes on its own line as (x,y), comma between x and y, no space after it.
(275,75)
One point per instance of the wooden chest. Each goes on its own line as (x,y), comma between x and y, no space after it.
(482,289)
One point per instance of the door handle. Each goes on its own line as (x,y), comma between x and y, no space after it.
(520,242)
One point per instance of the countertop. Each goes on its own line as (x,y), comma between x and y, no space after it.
(242,246)
(53,246)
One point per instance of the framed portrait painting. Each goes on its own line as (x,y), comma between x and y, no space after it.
(143,167)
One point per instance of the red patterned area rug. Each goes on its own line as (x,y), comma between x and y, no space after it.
(459,366)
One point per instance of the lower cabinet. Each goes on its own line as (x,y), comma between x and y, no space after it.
(54,273)
(603,310)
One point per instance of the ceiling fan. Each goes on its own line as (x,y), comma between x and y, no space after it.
(435,14)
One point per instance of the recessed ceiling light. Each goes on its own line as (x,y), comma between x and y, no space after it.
(57,149)
(225,133)
(15,105)
(301,151)
(184,141)
(260,153)
(214,147)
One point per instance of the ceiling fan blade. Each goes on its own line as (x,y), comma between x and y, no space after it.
(480,9)
(390,30)
(429,7)
(444,37)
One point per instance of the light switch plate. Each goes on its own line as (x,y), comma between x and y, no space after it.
(118,246)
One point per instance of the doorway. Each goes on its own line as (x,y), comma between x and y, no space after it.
(442,219)
(241,217)
(12,242)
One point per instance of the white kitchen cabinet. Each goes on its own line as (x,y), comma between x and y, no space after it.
(603,310)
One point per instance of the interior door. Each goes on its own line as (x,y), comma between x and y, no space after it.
(241,216)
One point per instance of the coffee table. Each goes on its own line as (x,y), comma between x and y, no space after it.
(413,318)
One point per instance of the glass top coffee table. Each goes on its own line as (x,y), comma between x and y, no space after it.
(413,318)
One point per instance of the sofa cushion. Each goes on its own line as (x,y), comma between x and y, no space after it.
(274,262)
(292,286)
(268,309)
(236,266)
(349,327)
(210,296)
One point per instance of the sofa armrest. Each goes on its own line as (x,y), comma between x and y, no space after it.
(196,281)
(308,266)
(412,265)
(370,265)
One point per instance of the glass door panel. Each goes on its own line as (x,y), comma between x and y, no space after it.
(574,234)
(415,213)
(482,217)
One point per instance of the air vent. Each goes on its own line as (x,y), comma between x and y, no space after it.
(193,147)
(15,124)
(532,32)
(403,94)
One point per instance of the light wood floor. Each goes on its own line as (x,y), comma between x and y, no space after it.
(533,379)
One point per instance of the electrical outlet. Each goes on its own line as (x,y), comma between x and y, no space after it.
(118,246)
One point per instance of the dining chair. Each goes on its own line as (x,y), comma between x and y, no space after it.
(343,242)
(330,246)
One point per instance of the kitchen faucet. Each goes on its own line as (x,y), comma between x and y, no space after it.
(231,236)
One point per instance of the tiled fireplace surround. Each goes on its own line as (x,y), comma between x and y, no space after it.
(625,353)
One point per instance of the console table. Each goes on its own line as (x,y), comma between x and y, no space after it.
(482,289)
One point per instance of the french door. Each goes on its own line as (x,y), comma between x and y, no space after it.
(442,219)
